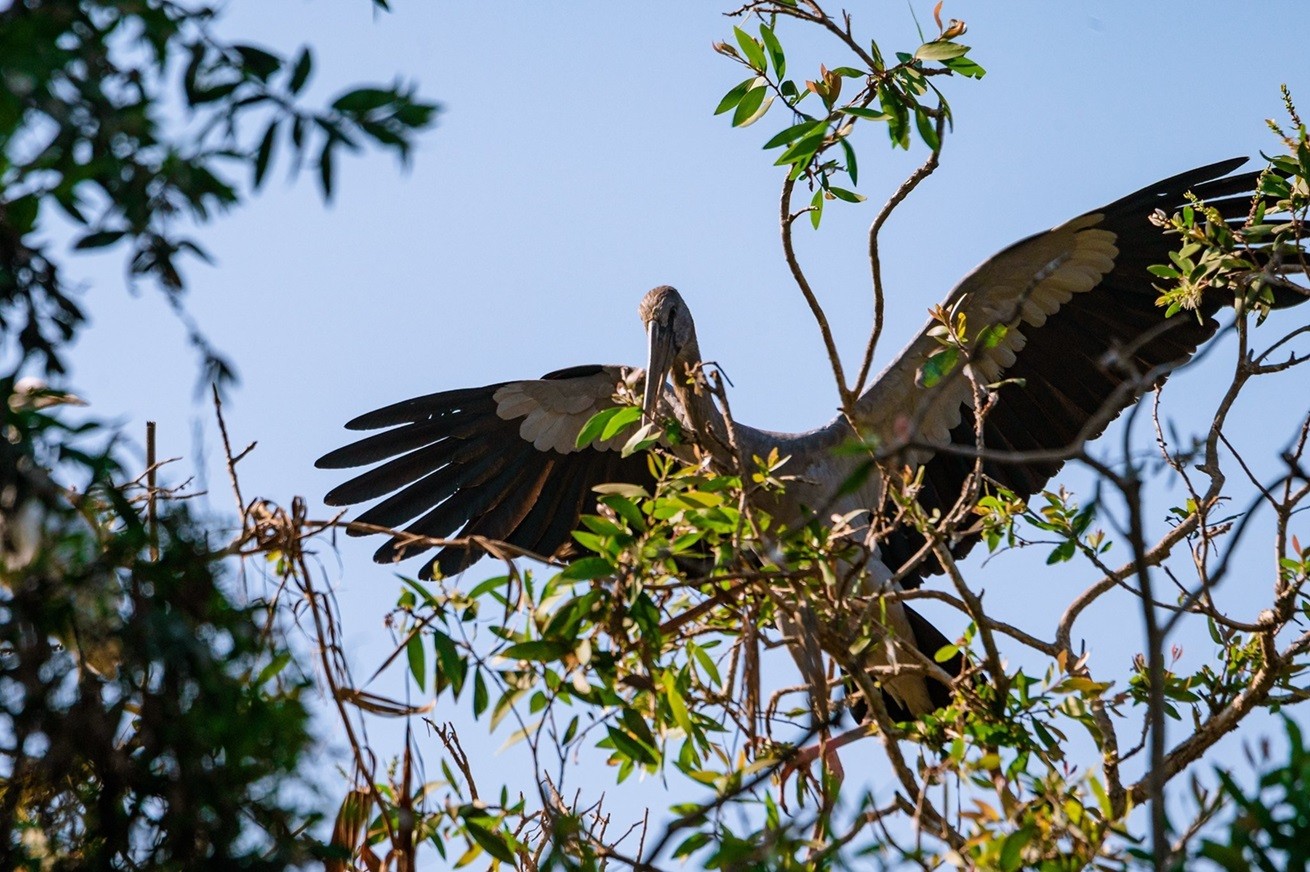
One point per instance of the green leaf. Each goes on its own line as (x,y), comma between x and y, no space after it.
(691,845)
(630,491)
(480,698)
(625,509)
(595,424)
(992,336)
(418,661)
(325,169)
(848,196)
(22,212)
(927,130)
(1052,743)
(258,62)
(631,748)
(265,153)
(681,544)
(898,116)
(591,541)
(1064,551)
(191,75)
(623,416)
(816,209)
(99,239)
(587,568)
(504,706)
(450,666)
(865,112)
(273,668)
(702,658)
(495,843)
(677,706)
(362,100)
(852,169)
(938,366)
(775,51)
(796,131)
(733,97)
(565,623)
(67,200)
(538,650)
(602,525)
(753,51)
(939,50)
(946,652)
(489,585)
(1083,684)
(966,67)
(750,108)
(1011,857)
(214,92)
(645,436)
(802,151)
(638,727)
(300,72)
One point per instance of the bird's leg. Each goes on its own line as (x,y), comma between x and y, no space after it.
(826,748)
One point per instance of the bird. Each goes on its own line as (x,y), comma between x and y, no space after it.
(1064,325)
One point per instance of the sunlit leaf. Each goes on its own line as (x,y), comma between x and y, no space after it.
(940,50)
(938,366)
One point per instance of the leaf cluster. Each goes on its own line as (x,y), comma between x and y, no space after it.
(816,145)
(90,135)
(147,717)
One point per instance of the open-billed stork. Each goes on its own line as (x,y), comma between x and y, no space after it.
(1080,328)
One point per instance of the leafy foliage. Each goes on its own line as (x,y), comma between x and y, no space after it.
(1215,252)
(1270,827)
(146,719)
(88,136)
(887,93)
(148,715)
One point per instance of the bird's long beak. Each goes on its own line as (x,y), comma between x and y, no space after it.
(659,360)
(32,394)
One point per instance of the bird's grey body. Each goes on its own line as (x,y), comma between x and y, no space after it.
(1065,321)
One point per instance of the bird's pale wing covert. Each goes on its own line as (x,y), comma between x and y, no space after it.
(498,461)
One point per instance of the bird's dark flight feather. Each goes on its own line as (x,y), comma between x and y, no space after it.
(453,467)
(1067,372)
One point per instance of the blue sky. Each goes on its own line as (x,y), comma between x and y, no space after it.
(576,163)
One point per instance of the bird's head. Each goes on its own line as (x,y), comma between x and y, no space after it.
(670,338)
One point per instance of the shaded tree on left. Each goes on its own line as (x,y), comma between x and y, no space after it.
(149,717)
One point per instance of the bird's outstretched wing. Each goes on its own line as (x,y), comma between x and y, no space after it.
(498,461)
(1079,332)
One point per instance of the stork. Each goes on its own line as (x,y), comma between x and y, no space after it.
(1080,325)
